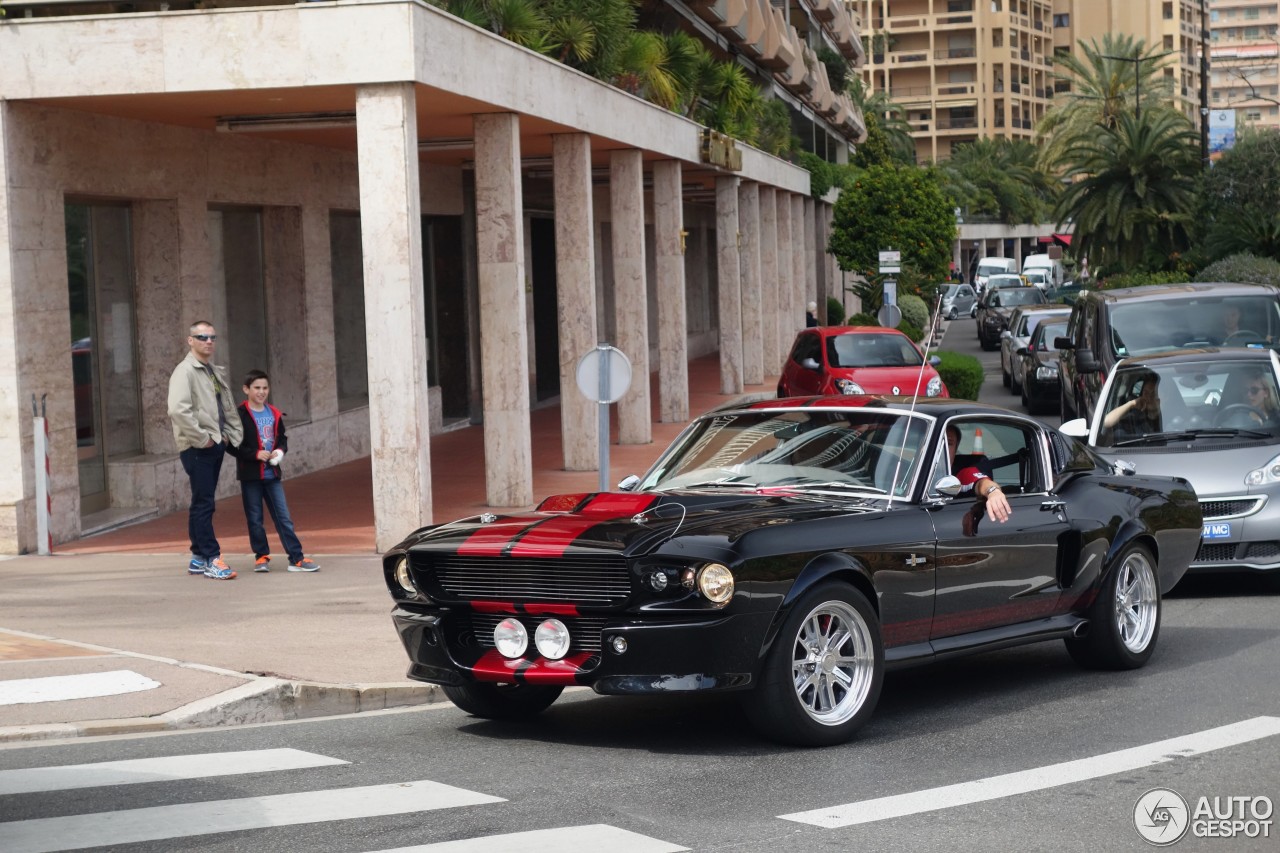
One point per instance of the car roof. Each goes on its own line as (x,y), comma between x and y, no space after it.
(1187,291)
(934,407)
(1052,306)
(832,331)
(1182,356)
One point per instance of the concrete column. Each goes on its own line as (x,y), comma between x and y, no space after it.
(955,257)
(1017,253)
(728,280)
(391,239)
(17,530)
(575,294)
(749,259)
(673,333)
(811,260)
(771,348)
(799,251)
(284,280)
(504,349)
(820,257)
(787,321)
(630,291)
(159,306)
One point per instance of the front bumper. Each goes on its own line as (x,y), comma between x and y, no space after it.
(695,653)
(1250,542)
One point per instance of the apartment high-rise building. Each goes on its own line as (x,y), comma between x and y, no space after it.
(965,69)
(1245,60)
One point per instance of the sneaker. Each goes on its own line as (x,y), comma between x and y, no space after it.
(304,565)
(262,564)
(218,570)
(197,566)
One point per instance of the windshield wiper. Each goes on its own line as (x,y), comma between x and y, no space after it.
(841,485)
(1229,432)
(1182,435)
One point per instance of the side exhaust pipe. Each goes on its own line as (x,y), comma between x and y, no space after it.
(1080,630)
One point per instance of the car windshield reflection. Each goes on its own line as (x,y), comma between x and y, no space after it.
(1142,328)
(864,452)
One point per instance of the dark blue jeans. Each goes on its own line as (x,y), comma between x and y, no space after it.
(203,465)
(255,493)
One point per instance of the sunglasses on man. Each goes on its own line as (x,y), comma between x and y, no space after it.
(205,338)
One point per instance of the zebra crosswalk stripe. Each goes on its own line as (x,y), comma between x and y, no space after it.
(598,836)
(165,769)
(103,829)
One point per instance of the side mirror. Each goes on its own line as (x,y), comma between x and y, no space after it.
(1124,469)
(628,483)
(1085,362)
(948,485)
(1022,351)
(1006,334)
(1078,428)
(935,360)
(1063,342)
(810,364)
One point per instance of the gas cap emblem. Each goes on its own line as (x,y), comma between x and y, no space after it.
(488,518)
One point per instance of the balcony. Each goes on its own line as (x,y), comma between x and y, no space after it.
(956,53)
(947,123)
(908,58)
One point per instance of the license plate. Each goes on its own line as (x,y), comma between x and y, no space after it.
(1216,530)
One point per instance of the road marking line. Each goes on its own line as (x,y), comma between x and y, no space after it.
(105,829)
(133,771)
(1011,784)
(57,688)
(599,836)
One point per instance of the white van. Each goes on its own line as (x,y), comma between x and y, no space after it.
(988,267)
(1051,266)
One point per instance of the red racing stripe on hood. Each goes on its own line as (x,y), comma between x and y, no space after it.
(490,539)
(492,666)
(554,536)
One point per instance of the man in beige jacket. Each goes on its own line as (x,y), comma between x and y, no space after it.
(204,422)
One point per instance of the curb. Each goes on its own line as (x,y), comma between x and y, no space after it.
(265,700)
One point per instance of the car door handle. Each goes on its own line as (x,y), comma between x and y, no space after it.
(1053,506)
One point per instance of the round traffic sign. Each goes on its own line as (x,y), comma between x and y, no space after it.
(889,316)
(604,374)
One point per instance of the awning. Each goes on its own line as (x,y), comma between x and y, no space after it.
(1063,240)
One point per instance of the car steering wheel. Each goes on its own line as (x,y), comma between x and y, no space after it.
(1245,335)
(1229,413)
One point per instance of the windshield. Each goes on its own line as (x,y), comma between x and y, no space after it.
(1046,332)
(870,452)
(992,269)
(1191,400)
(1145,327)
(871,350)
(1011,296)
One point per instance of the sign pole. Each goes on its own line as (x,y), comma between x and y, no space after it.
(603,409)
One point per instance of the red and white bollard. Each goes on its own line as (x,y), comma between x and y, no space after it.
(44,499)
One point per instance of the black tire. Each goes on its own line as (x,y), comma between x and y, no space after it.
(1124,620)
(1028,403)
(951,315)
(1015,387)
(503,701)
(1064,413)
(1005,376)
(821,710)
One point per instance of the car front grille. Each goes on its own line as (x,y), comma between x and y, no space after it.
(1233,552)
(584,631)
(583,579)
(1230,508)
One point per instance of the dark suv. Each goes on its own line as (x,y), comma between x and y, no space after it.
(1108,325)
(995,307)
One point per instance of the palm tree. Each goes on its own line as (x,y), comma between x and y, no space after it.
(890,115)
(1105,79)
(999,178)
(1131,189)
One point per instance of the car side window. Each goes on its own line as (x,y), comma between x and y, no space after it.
(807,346)
(1011,449)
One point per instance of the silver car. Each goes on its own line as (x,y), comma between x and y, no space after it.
(1022,324)
(1212,416)
(958,300)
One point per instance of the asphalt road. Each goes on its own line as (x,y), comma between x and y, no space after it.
(690,773)
(1016,750)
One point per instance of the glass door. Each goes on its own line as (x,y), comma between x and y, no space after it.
(100,284)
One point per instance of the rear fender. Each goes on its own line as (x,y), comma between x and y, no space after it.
(1130,533)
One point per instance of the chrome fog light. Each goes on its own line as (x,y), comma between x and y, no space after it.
(619,645)
(658,580)
(716,583)
(552,639)
(511,638)
(403,578)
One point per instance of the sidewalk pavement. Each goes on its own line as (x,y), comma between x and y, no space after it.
(118,614)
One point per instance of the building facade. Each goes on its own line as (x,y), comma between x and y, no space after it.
(406,220)
(1245,60)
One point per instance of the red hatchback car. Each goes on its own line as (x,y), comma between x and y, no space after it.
(857,360)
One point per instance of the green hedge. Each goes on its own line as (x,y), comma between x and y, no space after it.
(861,320)
(962,374)
(1243,267)
(835,311)
(911,330)
(914,311)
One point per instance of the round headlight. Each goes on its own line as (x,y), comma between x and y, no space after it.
(716,583)
(552,639)
(934,387)
(511,638)
(848,386)
(403,578)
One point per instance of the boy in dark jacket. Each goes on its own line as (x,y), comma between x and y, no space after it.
(258,470)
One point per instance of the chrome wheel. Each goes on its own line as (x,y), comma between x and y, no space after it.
(1136,609)
(833,663)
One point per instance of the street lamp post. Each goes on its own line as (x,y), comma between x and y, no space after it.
(1137,75)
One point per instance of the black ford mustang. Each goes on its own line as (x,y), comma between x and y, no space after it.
(794,550)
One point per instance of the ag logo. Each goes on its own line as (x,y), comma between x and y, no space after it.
(1161,816)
